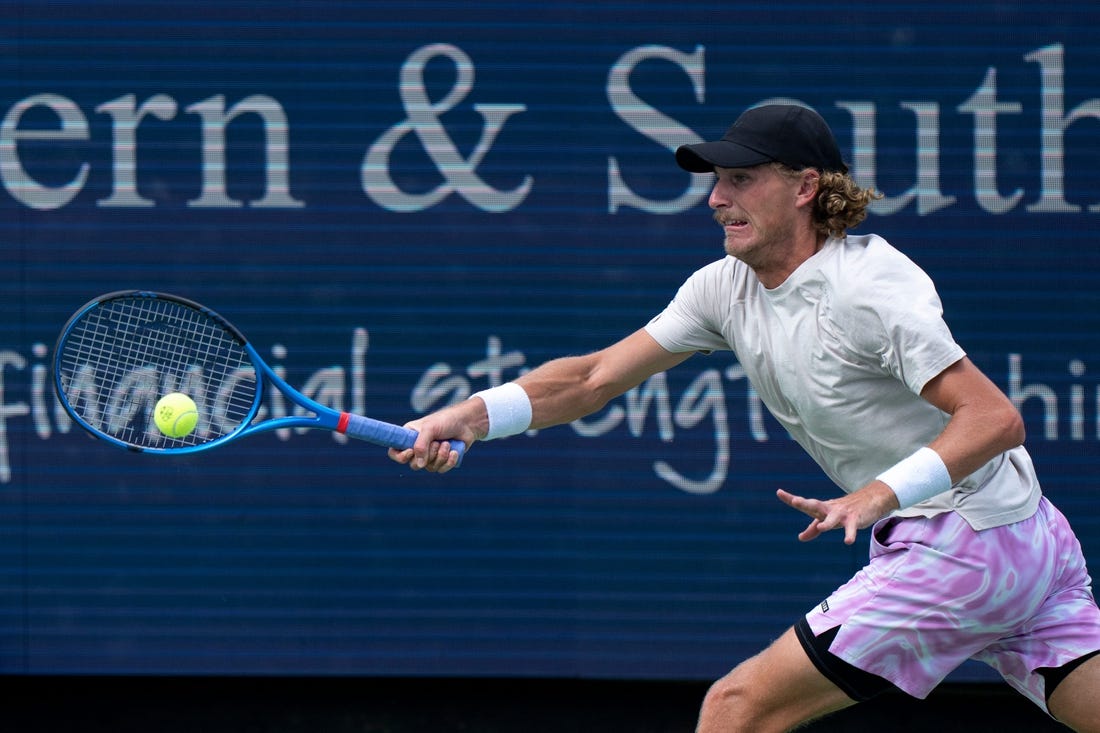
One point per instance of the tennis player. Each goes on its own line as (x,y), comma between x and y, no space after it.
(843,338)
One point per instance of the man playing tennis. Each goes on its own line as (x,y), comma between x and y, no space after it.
(843,338)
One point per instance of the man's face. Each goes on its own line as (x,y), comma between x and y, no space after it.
(757,210)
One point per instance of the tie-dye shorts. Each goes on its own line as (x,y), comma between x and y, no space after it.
(937,593)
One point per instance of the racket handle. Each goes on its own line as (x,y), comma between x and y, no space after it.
(386,434)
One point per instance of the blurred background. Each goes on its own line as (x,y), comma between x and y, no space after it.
(401,203)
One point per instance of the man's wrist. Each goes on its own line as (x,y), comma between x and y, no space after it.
(917,478)
(508,408)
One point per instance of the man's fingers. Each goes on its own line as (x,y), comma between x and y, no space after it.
(788,498)
(812,531)
(839,520)
(445,459)
(795,502)
(850,534)
(409,457)
(810,507)
(401,456)
(826,516)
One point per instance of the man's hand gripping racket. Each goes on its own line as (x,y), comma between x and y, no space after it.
(120,353)
(430,450)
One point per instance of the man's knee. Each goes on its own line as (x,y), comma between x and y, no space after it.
(733,704)
(776,690)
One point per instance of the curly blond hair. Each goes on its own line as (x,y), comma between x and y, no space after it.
(841,203)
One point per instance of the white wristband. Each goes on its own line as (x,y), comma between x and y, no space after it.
(509,410)
(917,478)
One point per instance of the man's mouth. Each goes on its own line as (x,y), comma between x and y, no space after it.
(729,221)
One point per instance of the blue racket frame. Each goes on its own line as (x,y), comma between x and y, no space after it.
(323,417)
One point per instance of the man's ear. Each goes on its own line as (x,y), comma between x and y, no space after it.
(808,188)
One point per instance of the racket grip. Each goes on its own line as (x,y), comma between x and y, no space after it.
(387,434)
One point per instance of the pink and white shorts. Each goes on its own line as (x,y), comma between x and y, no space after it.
(936,593)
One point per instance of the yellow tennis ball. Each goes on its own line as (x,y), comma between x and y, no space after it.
(176,415)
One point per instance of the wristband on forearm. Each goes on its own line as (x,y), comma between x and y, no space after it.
(917,478)
(509,410)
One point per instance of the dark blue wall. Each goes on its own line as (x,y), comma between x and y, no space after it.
(401,203)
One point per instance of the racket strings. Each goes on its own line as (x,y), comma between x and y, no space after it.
(120,357)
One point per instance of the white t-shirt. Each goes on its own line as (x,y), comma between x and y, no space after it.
(839,354)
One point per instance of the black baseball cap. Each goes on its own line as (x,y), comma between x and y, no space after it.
(788,133)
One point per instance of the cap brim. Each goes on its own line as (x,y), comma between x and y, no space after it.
(705,157)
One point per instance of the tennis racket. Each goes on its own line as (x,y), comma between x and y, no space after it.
(121,352)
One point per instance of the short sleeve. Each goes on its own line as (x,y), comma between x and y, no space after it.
(898,316)
(691,321)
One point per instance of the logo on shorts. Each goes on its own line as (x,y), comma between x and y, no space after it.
(824,606)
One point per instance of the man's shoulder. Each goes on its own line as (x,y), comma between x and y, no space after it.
(872,256)
(727,269)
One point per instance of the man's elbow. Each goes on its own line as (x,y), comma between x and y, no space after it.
(1012,427)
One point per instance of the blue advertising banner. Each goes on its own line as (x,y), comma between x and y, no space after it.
(403,203)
